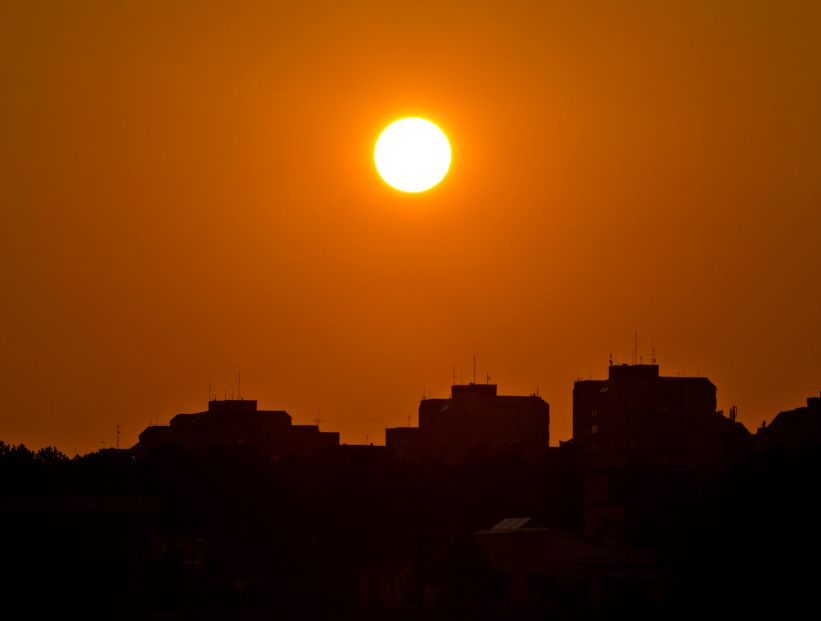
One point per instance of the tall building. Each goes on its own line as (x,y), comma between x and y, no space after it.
(637,416)
(237,423)
(474,421)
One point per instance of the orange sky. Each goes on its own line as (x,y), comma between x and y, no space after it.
(188,189)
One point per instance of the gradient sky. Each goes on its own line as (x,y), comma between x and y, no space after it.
(187,189)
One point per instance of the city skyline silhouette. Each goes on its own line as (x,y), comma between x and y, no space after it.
(658,506)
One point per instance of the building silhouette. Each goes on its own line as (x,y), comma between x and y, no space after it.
(475,421)
(638,417)
(793,429)
(237,423)
(552,571)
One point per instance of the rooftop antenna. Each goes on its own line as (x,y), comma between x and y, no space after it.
(653,354)
(454,374)
(118,437)
(635,347)
(317,418)
(611,357)
(225,395)
(537,390)
(487,377)
(239,384)
(474,368)
(209,392)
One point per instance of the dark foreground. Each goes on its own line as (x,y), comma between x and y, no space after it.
(355,533)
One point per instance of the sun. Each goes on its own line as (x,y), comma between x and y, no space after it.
(412,155)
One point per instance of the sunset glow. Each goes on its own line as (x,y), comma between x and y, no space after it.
(188,189)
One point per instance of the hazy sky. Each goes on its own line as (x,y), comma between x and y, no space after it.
(188,188)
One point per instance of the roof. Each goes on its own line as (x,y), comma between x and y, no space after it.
(511,524)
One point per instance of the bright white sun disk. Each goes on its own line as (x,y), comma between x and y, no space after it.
(412,155)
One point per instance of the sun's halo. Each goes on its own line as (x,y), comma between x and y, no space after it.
(412,155)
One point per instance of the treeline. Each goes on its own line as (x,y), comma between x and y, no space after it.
(11,454)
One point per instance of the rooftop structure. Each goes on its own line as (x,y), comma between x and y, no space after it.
(793,429)
(237,423)
(474,421)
